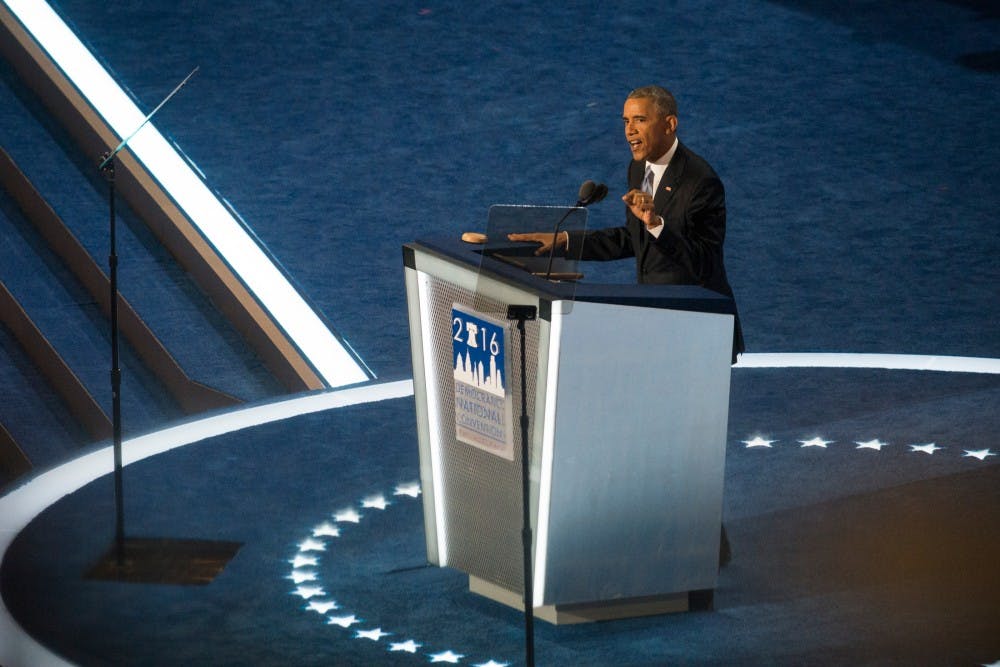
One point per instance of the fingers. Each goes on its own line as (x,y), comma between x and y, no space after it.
(544,241)
(533,237)
(637,198)
(640,202)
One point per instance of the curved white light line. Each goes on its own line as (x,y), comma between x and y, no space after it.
(896,362)
(20,506)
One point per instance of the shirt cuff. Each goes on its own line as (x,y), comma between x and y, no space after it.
(655,231)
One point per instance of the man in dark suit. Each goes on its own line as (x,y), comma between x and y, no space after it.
(675,222)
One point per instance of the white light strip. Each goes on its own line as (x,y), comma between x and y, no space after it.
(433,416)
(20,506)
(898,362)
(328,356)
(548,451)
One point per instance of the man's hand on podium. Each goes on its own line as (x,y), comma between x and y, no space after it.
(546,240)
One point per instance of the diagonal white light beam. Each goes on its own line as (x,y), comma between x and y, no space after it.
(332,359)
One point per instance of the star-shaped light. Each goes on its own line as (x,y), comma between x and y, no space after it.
(326,529)
(411,489)
(309,544)
(348,515)
(378,502)
(343,621)
(815,442)
(299,576)
(493,663)
(306,592)
(875,444)
(321,606)
(929,448)
(373,635)
(980,454)
(409,646)
(447,656)
(758,442)
(303,561)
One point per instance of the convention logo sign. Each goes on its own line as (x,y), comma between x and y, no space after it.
(482,403)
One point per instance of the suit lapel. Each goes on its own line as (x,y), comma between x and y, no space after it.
(668,183)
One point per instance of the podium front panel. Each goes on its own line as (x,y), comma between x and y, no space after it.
(477,492)
(633,470)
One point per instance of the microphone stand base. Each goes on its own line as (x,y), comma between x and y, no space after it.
(164,561)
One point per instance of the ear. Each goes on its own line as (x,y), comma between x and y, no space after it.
(672,123)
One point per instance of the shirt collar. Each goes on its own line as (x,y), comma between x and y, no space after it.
(659,166)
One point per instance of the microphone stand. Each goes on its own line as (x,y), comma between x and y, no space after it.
(555,237)
(146,560)
(590,193)
(523,314)
(107,167)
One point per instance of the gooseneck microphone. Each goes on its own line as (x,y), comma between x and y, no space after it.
(590,193)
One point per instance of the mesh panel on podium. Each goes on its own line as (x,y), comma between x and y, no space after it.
(484,519)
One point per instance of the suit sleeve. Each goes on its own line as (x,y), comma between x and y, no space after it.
(601,244)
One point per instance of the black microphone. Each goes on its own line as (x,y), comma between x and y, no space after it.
(587,189)
(590,193)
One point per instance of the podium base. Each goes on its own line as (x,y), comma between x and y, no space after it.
(587,612)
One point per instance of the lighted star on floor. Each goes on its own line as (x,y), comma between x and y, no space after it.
(411,489)
(306,592)
(373,635)
(349,516)
(815,442)
(492,663)
(929,448)
(300,576)
(322,606)
(447,656)
(875,444)
(310,544)
(980,454)
(326,529)
(409,646)
(759,442)
(343,621)
(303,561)
(378,502)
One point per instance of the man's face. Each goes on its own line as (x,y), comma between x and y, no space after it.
(649,134)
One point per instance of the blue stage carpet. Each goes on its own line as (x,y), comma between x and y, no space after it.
(858,147)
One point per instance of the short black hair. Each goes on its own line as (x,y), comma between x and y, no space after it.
(662,98)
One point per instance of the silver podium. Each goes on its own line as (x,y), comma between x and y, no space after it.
(630,392)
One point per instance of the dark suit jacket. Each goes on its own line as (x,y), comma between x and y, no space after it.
(692,202)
